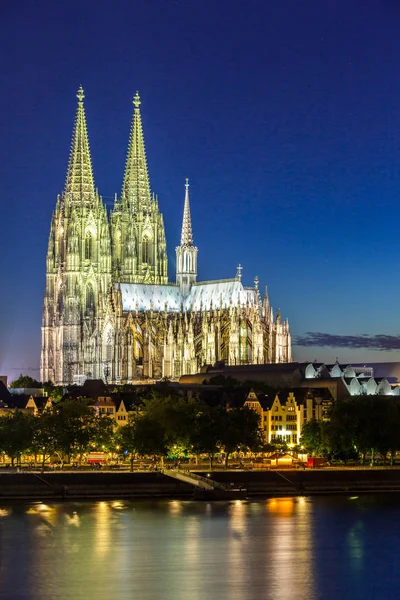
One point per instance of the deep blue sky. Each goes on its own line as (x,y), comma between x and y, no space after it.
(285,115)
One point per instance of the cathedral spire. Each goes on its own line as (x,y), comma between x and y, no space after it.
(136,186)
(187,234)
(186,253)
(80,184)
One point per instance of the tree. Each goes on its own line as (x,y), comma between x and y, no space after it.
(390,428)
(102,435)
(311,437)
(150,436)
(75,427)
(175,415)
(16,434)
(205,432)
(126,440)
(53,391)
(45,439)
(358,425)
(24,381)
(240,428)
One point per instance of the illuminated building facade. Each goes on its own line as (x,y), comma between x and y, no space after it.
(109,310)
(282,417)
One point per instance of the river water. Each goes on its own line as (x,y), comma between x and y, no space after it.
(279,549)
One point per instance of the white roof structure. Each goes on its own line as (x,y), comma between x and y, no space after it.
(220,292)
(203,295)
(142,297)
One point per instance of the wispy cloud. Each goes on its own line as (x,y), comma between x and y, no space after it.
(364,340)
(22,369)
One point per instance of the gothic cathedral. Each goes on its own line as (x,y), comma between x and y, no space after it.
(109,310)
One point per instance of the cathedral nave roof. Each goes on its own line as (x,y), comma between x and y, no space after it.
(143,297)
(202,296)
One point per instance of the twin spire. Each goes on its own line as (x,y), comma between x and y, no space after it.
(80,183)
(136,187)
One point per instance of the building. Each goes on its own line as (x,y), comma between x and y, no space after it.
(118,405)
(340,380)
(282,416)
(109,309)
(25,403)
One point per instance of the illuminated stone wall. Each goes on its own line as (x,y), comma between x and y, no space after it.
(109,311)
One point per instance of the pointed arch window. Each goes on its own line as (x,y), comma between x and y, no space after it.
(145,249)
(88,246)
(89,299)
(109,347)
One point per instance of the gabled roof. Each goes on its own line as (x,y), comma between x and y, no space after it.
(41,401)
(19,401)
(203,295)
(5,395)
(92,388)
(143,296)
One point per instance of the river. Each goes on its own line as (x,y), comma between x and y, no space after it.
(277,549)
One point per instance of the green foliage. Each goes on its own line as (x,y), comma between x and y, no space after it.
(53,391)
(168,424)
(102,434)
(358,425)
(24,381)
(175,415)
(240,427)
(46,433)
(16,434)
(206,431)
(150,436)
(311,438)
(125,440)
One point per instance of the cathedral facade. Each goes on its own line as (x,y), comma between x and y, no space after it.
(109,310)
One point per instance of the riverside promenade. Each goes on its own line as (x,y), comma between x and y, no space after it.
(258,484)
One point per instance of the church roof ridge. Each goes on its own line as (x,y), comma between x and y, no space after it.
(168,284)
(80,183)
(210,281)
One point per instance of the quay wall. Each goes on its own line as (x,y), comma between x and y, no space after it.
(289,482)
(108,485)
(90,485)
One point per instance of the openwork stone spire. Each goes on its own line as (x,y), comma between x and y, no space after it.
(187,234)
(136,186)
(80,184)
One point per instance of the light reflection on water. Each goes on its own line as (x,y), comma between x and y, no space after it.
(277,549)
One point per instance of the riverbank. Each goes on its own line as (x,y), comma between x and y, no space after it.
(109,485)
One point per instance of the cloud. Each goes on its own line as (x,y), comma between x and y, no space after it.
(22,369)
(364,340)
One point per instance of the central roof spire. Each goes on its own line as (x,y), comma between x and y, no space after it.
(79,183)
(136,186)
(187,234)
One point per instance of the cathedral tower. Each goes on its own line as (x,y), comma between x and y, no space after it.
(78,268)
(186,253)
(109,311)
(139,252)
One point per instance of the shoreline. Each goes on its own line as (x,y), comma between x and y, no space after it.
(72,486)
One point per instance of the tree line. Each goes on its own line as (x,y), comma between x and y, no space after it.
(165,426)
(358,427)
